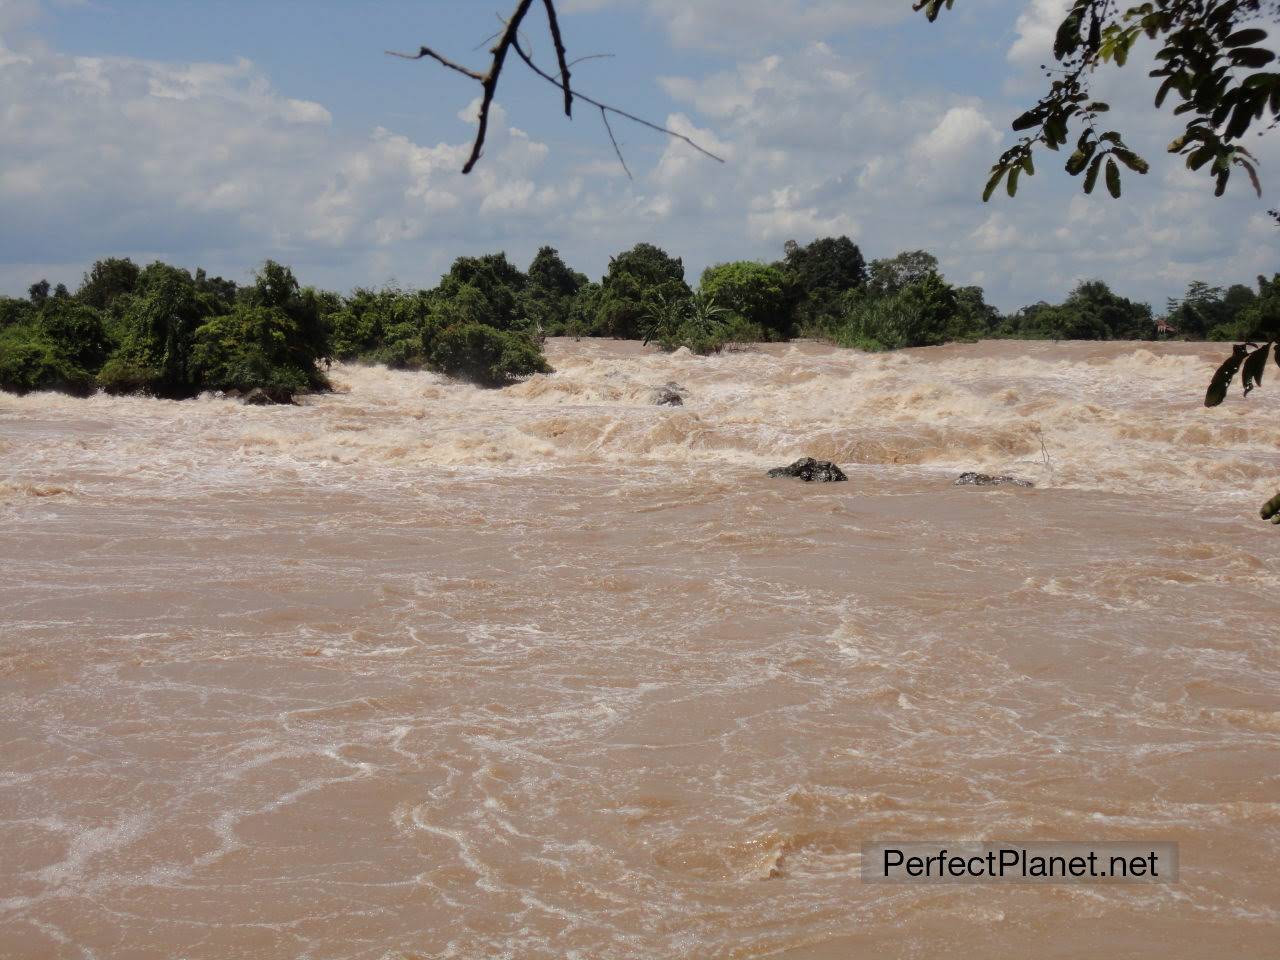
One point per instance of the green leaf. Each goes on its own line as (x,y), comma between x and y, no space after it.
(994,182)
(1241,117)
(1055,131)
(1113,178)
(1027,120)
(1011,185)
(1251,375)
(1068,37)
(1254,58)
(1217,391)
(1198,158)
(1245,38)
(1131,160)
(1091,178)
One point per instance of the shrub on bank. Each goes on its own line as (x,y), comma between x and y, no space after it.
(254,347)
(486,355)
(30,360)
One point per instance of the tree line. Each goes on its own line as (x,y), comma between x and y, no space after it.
(163,331)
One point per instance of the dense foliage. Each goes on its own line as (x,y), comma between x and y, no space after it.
(636,283)
(1212,56)
(163,331)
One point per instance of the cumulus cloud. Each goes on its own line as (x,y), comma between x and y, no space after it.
(1036,28)
(208,160)
(210,163)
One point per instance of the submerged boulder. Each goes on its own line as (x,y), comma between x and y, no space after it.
(809,470)
(267,396)
(971,479)
(670,395)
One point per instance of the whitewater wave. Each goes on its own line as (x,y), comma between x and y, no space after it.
(1107,416)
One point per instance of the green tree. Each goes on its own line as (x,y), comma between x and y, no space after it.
(1206,312)
(307,343)
(547,299)
(14,311)
(890,275)
(106,280)
(758,294)
(821,274)
(1259,320)
(585,312)
(485,355)
(1092,311)
(636,280)
(56,345)
(381,326)
(225,292)
(496,280)
(975,318)
(157,324)
(551,275)
(76,330)
(694,322)
(249,349)
(29,360)
(921,313)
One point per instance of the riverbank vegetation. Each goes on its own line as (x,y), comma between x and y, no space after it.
(164,331)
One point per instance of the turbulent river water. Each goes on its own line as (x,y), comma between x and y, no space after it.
(416,670)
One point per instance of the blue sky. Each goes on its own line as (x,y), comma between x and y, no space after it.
(223,133)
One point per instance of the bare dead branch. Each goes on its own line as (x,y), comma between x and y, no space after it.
(509,39)
(554,24)
(605,107)
(488,81)
(604,115)
(428,52)
(590,56)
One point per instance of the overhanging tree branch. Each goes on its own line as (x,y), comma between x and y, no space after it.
(509,39)
(605,108)
(554,23)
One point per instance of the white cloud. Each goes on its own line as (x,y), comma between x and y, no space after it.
(113,155)
(1036,28)
(209,163)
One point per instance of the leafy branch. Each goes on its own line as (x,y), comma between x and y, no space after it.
(1211,57)
(1250,361)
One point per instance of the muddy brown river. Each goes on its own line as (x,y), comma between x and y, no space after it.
(416,670)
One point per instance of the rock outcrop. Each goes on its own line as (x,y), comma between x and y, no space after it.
(670,395)
(259,397)
(972,479)
(810,470)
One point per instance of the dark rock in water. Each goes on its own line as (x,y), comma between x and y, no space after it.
(986,480)
(259,397)
(809,470)
(672,395)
